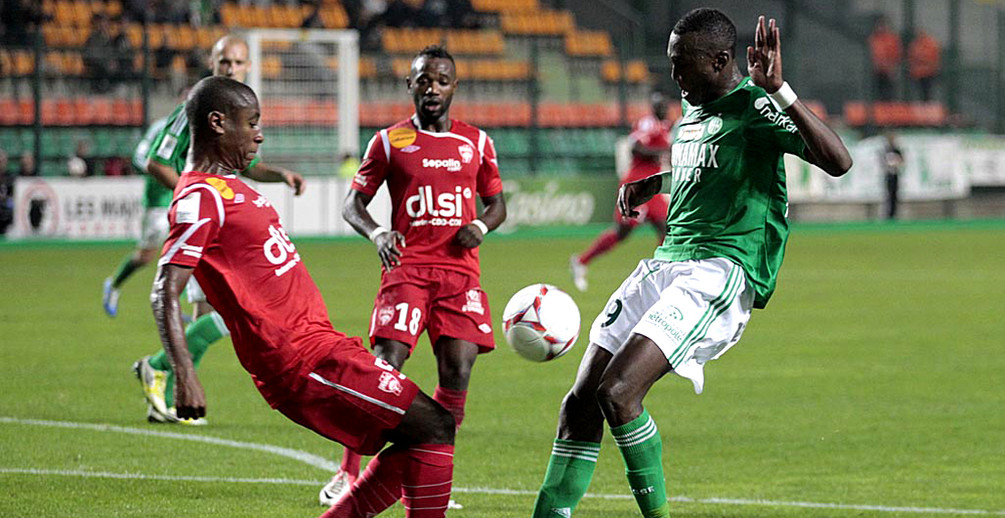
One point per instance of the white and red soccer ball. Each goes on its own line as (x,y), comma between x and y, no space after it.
(541,322)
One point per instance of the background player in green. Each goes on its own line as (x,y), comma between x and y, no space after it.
(165,162)
(156,199)
(726,233)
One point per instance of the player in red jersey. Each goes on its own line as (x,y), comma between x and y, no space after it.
(434,167)
(229,236)
(650,147)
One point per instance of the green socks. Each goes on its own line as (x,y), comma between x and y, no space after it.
(569,473)
(642,449)
(199,335)
(125,269)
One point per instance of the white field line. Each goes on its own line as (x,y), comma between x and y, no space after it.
(329,466)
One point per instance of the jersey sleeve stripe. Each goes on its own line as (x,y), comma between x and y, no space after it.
(180,243)
(387,144)
(180,122)
(214,192)
(369,146)
(482,136)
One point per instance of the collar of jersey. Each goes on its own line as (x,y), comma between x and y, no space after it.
(415,124)
(742,84)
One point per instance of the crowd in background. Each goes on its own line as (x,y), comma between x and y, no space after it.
(924,60)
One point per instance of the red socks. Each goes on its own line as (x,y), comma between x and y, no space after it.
(453,401)
(604,242)
(420,476)
(428,477)
(350,464)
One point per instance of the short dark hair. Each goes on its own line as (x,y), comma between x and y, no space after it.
(216,93)
(435,51)
(713,26)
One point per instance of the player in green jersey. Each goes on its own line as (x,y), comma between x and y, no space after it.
(156,199)
(165,162)
(726,233)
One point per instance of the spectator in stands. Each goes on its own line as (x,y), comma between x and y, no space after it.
(99,57)
(27,164)
(80,164)
(313,20)
(924,58)
(886,52)
(18,19)
(6,195)
(350,164)
(892,161)
(434,13)
(462,14)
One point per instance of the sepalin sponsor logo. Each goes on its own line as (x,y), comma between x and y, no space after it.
(450,164)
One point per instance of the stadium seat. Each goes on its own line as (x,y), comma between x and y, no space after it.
(588,44)
(507,6)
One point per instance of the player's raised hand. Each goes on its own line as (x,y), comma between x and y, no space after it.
(296,182)
(633,194)
(469,236)
(764,59)
(389,245)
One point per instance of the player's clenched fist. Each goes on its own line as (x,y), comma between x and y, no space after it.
(469,236)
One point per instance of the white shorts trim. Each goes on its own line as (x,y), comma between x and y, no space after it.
(693,310)
(194,291)
(155,228)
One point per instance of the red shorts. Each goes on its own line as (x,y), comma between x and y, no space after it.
(441,302)
(653,211)
(352,397)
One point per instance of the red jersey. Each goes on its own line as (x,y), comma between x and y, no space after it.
(650,132)
(253,277)
(433,179)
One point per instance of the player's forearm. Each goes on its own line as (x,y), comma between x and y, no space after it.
(355,214)
(164,174)
(167,314)
(825,148)
(495,211)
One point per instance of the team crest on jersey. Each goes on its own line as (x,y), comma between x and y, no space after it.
(401,137)
(474,303)
(389,383)
(384,315)
(221,186)
(467,153)
(714,125)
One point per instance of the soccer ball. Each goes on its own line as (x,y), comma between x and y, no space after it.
(541,322)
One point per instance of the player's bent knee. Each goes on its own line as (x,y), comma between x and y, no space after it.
(617,400)
(426,422)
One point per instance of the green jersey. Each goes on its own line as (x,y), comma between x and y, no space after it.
(727,185)
(170,147)
(154,193)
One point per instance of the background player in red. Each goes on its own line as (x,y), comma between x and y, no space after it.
(650,152)
(230,237)
(434,167)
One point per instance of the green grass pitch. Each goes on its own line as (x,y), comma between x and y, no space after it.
(872,385)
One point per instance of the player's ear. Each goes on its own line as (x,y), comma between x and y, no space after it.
(720,60)
(216,121)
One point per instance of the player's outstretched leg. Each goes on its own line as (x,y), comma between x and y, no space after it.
(574,452)
(417,468)
(630,375)
(342,480)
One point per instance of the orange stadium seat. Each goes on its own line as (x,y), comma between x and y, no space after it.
(84,111)
(334,17)
(507,6)
(589,44)
(8,112)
